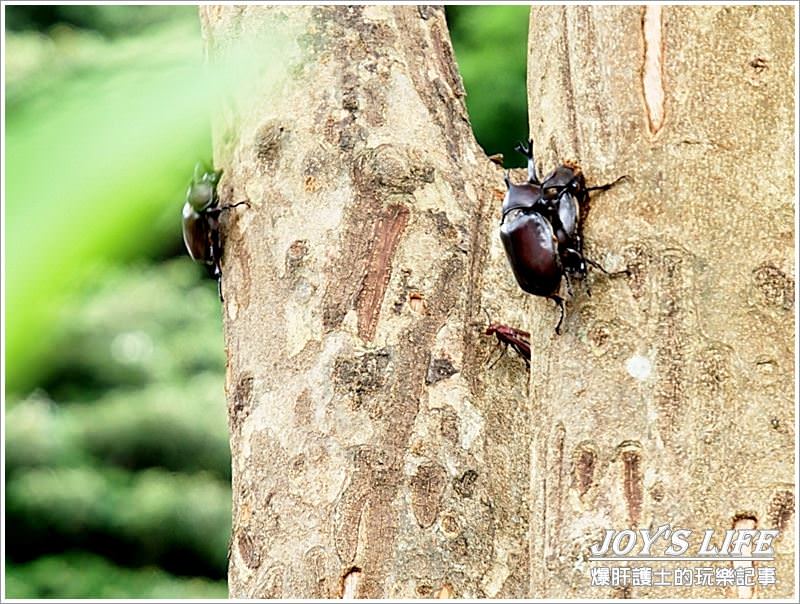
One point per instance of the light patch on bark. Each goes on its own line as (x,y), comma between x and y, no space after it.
(350,584)
(744,524)
(639,367)
(652,72)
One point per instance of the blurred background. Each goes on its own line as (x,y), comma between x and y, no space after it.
(116,455)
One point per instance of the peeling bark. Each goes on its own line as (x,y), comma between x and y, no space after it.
(373,453)
(672,391)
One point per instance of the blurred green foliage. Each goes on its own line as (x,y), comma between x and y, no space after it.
(100,137)
(491,49)
(178,521)
(160,339)
(82,575)
(172,425)
(117,458)
(125,452)
(108,20)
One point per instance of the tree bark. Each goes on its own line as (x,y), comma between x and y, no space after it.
(373,452)
(670,397)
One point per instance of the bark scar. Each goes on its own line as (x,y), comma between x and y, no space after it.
(585,460)
(386,236)
(653,68)
(632,479)
(427,488)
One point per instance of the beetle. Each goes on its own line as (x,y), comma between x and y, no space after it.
(564,202)
(532,250)
(519,340)
(541,228)
(201,213)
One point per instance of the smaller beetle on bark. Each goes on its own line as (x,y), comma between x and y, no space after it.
(507,336)
(201,214)
(541,229)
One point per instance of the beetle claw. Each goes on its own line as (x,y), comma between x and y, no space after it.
(525,149)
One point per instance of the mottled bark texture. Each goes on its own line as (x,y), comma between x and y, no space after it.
(670,396)
(374,452)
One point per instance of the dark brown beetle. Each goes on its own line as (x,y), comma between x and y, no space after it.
(201,221)
(532,249)
(541,229)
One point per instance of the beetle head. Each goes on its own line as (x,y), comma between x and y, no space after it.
(526,196)
(202,190)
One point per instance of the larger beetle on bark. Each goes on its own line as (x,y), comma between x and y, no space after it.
(541,229)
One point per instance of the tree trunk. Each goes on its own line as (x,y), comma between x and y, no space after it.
(670,397)
(375,453)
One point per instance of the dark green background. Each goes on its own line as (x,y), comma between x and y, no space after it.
(117,459)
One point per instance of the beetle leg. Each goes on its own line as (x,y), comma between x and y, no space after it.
(560,301)
(215,272)
(582,260)
(235,205)
(569,284)
(503,348)
(522,353)
(216,256)
(607,186)
(599,267)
